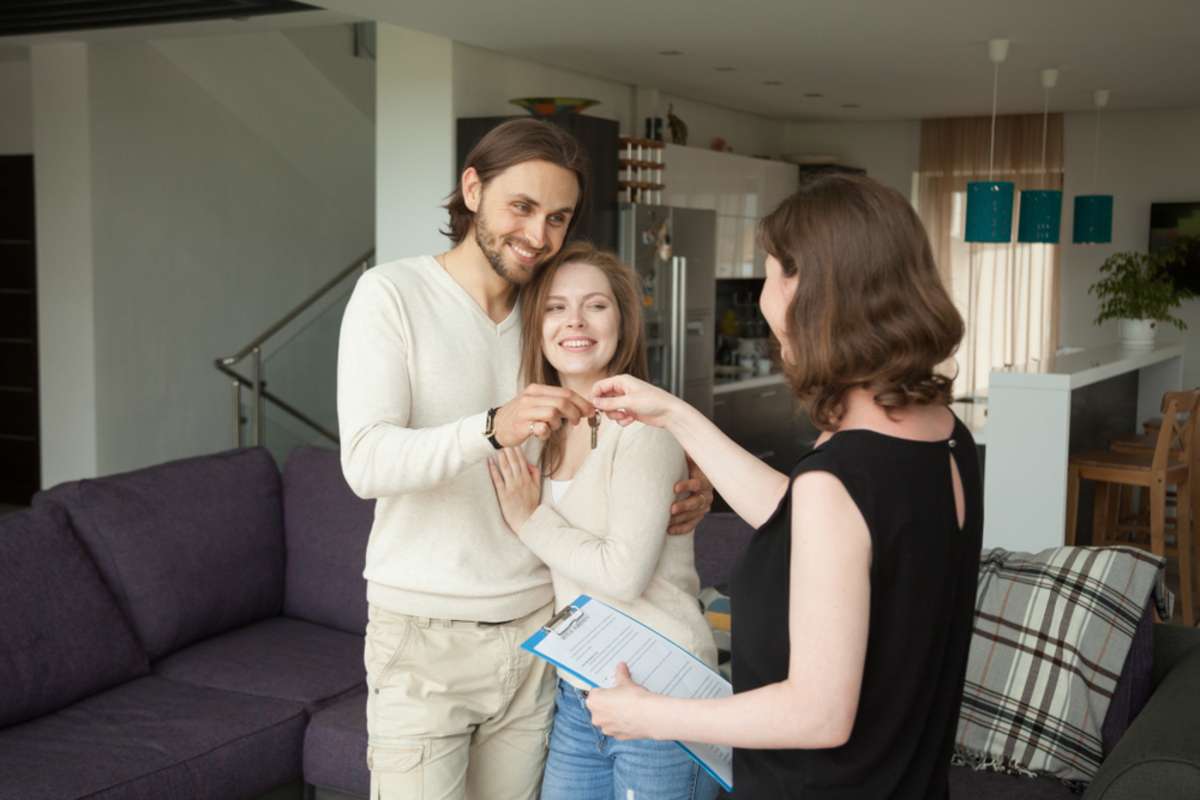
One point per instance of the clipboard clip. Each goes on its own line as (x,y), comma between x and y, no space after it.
(561,616)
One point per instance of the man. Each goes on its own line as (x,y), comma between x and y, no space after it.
(427,391)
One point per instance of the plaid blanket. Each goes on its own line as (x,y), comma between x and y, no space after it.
(1052,631)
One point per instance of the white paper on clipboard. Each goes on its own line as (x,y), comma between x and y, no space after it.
(589,638)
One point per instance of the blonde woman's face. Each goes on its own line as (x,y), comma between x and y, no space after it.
(777,292)
(582,324)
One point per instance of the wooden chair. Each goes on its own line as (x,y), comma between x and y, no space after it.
(1144,443)
(1169,463)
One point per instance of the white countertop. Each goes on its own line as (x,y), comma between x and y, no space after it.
(749,383)
(1083,367)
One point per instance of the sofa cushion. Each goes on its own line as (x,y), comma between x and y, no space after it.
(326,527)
(969,784)
(152,739)
(1134,686)
(287,659)
(62,636)
(335,747)
(191,548)
(720,539)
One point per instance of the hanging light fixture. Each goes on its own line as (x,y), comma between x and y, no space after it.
(1041,209)
(1093,212)
(990,203)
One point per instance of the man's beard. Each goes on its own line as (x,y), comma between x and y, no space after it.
(491,247)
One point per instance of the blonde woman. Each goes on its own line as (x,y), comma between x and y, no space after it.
(597,516)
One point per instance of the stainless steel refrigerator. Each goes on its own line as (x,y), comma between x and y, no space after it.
(674,250)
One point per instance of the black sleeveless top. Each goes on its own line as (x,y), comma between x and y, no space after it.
(923,576)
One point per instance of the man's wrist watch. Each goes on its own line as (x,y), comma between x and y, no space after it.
(489,430)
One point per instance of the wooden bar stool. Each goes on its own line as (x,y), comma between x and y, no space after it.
(1169,463)
(1144,443)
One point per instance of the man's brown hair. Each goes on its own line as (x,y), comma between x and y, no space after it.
(630,355)
(870,309)
(515,142)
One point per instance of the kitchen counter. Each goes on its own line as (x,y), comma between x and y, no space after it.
(1037,417)
(726,385)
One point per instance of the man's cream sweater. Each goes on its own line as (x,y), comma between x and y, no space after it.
(419,364)
(607,536)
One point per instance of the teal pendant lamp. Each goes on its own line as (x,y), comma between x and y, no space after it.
(990,203)
(1093,212)
(1041,209)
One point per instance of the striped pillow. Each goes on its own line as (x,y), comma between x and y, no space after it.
(1052,631)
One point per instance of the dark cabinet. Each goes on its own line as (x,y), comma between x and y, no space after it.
(766,421)
(19,434)
(598,222)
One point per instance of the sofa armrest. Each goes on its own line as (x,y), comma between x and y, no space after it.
(1159,756)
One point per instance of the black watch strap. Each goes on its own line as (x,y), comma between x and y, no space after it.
(490,429)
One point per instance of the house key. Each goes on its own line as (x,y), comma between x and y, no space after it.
(594,424)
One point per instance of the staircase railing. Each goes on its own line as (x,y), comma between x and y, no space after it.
(256,383)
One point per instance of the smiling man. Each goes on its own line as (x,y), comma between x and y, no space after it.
(428,368)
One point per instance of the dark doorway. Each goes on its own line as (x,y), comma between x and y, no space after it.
(20,470)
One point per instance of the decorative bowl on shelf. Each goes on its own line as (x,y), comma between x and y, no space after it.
(549,106)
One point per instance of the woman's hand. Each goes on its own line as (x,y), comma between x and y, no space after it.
(624,711)
(518,486)
(624,399)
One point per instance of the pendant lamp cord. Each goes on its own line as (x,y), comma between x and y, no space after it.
(1045,128)
(1096,153)
(995,89)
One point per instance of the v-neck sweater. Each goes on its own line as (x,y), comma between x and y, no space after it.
(607,537)
(419,365)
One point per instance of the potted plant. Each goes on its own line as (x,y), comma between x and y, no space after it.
(1137,290)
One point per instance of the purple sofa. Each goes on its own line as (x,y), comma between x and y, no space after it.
(194,630)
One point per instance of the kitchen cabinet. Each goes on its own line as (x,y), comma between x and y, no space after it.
(740,189)
(766,421)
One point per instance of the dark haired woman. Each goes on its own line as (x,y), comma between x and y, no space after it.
(595,511)
(853,603)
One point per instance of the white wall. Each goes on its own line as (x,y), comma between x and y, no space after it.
(16,108)
(888,151)
(229,177)
(64,205)
(1145,157)
(414,140)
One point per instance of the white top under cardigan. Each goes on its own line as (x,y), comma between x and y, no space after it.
(607,536)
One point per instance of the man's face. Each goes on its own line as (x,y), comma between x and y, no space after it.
(521,217)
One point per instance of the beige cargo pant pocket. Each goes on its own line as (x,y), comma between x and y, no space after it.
(397,773)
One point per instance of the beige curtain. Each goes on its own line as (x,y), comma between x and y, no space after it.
(1007,293)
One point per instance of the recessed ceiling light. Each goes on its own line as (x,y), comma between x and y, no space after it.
(851,105)
(772,83)
(814,95)
(725,69)
(670,52)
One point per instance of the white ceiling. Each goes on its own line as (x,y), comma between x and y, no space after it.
(897,59)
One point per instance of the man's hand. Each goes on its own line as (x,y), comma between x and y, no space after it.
(693,499)
(538,410)
(518,486)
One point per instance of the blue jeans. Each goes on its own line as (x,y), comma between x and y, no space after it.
(584,764)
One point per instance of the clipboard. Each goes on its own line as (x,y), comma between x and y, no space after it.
(588,638)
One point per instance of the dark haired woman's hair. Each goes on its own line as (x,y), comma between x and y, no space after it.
(511,143)
(630,355)
(870,309)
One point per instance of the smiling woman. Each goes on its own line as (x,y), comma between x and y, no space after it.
(582,322)
(594,510)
